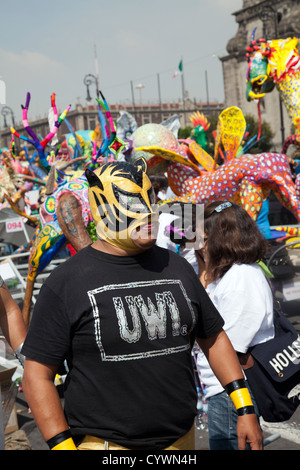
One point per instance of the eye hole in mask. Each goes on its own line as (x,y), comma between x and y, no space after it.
(133,202)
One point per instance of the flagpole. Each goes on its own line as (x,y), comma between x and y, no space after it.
(96,70)
(182,86)
(206,82)
(159,96)
(132,97)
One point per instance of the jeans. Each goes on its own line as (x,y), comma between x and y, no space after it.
(222,420)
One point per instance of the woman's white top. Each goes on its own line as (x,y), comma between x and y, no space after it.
(244,299)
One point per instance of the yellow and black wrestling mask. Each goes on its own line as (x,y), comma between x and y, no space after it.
(121,199)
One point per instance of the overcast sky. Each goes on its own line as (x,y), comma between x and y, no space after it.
(49,47)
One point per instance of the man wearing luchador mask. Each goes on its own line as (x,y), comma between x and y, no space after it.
(121,200)
(124,313)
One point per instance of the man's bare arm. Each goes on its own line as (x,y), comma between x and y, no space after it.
(43,398)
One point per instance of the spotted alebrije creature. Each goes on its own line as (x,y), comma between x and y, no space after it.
(288,229)
(246,180)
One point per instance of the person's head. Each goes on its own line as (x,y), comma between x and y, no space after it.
(121,198)
(230,236)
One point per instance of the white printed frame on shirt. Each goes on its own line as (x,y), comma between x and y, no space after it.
(177,327)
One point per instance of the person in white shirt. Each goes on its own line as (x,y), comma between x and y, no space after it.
(239,289)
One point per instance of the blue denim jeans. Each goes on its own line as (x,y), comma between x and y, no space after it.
(222,420)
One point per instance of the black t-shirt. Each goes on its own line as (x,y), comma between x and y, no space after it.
(126,325)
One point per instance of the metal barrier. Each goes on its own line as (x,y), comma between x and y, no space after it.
(13,269)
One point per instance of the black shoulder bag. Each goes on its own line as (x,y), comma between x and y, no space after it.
(273,371)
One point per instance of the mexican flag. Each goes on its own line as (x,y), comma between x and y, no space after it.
(179,70)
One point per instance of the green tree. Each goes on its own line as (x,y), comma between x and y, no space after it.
(184,132)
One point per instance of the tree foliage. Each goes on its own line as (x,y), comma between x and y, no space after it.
(184,132)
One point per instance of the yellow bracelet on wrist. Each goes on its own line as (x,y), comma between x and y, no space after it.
(68,444)
(62,441)
(240,396)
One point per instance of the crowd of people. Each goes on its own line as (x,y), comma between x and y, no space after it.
(124,314)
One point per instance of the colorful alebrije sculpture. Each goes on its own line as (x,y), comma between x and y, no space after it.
(111,143)
(40,145)
(70,196)
(246,179)
(276,63)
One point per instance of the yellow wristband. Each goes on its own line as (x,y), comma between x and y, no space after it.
(241,397)
(68,444)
